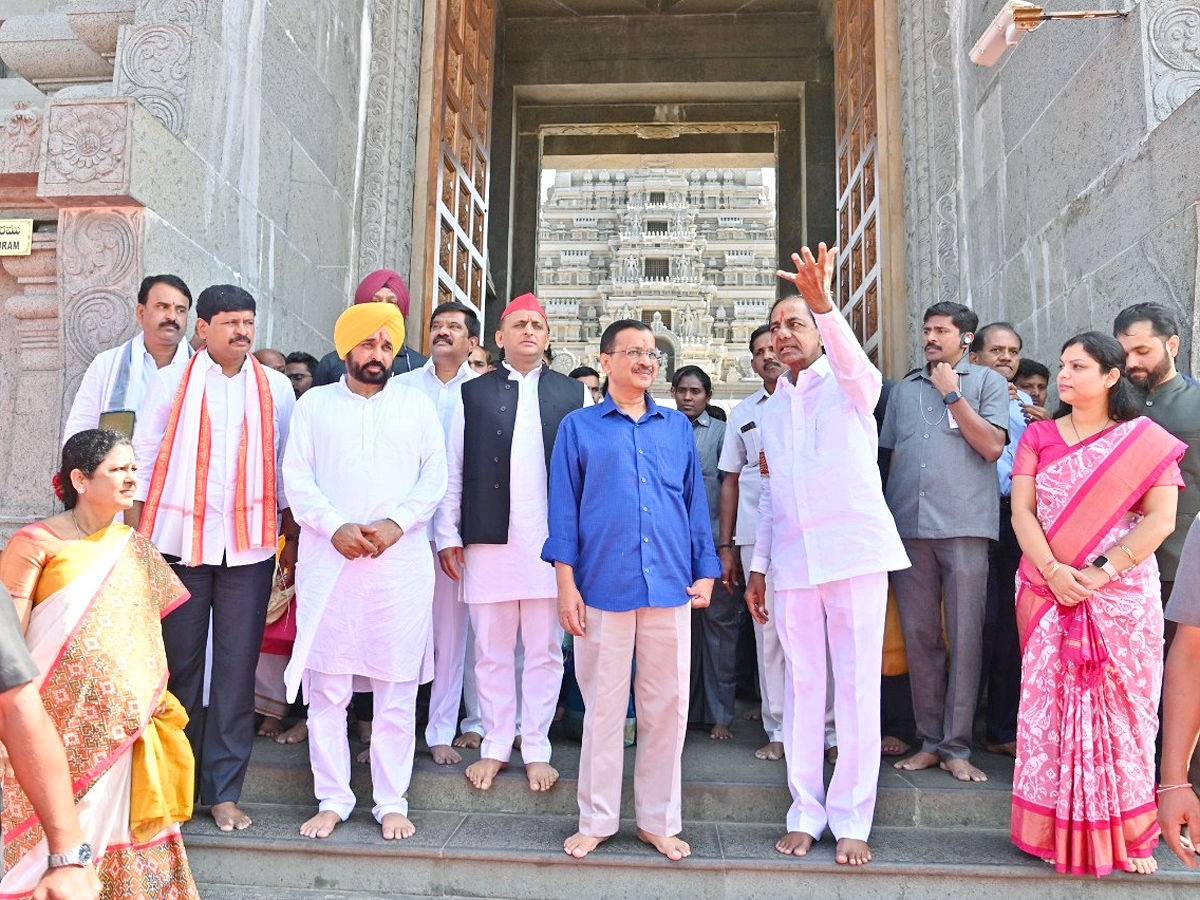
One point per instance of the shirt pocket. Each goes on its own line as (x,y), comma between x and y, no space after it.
(671,463)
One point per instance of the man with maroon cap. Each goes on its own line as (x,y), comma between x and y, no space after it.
(381,286)
(489,531)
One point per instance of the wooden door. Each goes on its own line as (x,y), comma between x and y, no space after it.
(456,237)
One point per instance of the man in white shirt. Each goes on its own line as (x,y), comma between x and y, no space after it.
(453,332)
(366,466)
(209,443)
(116,380)
(740,490)
(829,552)
(490,529)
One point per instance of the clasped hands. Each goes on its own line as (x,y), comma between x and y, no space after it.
(354,541)
(1072,586)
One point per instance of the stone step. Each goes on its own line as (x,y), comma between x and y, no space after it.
(518,856)
(722,782)
(247,892)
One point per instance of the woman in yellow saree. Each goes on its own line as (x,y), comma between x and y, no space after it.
(90,594)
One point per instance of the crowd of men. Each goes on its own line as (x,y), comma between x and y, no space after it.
(449,518)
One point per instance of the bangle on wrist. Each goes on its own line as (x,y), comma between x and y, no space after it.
(1049,569)
(724,546)
(1163,788)
(1132,559)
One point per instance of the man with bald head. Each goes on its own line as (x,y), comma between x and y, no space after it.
(367,465)
(381,286)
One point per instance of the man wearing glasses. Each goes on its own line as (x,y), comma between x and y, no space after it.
(630,469)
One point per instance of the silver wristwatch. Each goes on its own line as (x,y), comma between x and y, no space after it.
(80,856)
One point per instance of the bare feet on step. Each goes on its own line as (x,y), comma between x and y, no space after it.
(720,733)
(919,760)
(469,739)
(851,852)
(773,750)
(1143,865)
(1008,748)
(269,727)
(445,755)
(963,770)
(397,827)
(893,746)
(794,843)
(297,734)
(580,845)
(673,847)
(542,776)
(229,817)
(481,773)
(321,825)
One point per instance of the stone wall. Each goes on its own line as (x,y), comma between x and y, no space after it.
(1060,185)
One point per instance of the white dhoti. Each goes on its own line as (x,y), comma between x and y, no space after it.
(270,693)
(661,640)
(507,689)
(849,615)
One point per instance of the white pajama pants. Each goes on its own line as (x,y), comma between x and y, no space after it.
(771,664)
(849,614)
(496,674)
(453,665)
(393,742)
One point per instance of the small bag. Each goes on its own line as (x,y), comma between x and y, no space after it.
(281,596)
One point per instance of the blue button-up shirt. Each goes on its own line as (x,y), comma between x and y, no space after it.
(627,507)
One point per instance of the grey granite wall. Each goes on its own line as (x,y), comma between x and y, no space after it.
(1060,185)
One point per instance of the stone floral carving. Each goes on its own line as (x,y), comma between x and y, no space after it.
(1173,40)
(175,12)
(152,68)
(86,147)
(21,139)
(99,269)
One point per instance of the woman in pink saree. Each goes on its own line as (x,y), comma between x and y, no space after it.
(1094,494)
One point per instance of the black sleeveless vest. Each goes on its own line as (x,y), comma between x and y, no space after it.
(490,416)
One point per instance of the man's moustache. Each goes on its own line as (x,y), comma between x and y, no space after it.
(168,324)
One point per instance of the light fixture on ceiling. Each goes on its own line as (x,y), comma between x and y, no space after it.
(1016,18)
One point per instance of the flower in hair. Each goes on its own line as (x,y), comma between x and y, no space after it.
(56,481)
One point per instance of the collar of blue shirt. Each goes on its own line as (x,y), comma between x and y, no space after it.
(607,406)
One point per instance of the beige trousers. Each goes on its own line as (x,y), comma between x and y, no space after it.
(660,641)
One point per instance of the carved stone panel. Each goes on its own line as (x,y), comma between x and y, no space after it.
(20,140)
(86,149)
(99,268)
(173,12)
(1172,36)
(152,68)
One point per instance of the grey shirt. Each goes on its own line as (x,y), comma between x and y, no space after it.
(16,665)
(939,487)
(710,435)
(1176,407)
(1184,605)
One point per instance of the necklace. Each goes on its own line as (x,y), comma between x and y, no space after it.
(75,521)
(1078,439)
(921,408)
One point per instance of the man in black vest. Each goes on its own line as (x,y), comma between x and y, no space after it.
(490,528)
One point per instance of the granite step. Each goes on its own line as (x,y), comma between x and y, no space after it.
(455,854)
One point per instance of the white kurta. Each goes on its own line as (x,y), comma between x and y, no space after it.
(358,459)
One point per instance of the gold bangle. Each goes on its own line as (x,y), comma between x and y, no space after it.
(1133,559)
(1053,566)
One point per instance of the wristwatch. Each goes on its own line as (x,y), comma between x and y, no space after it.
(952,397)
(1101,562)
(80,856)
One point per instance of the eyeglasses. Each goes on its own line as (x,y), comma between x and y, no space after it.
(636,353)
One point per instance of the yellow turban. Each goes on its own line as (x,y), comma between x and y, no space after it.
(362,320)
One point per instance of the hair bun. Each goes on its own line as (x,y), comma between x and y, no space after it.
(56,482)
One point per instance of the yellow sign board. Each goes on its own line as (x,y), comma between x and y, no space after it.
(16,237)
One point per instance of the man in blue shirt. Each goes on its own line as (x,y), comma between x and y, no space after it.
(630,469)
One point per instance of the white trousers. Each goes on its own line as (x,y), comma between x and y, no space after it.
(393,742)
(771,664)
(847,616)
(496,674)
(452,679)
(661,640)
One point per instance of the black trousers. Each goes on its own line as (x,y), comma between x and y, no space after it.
(221,740)
(1001,645)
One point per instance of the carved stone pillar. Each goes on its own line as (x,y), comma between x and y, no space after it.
(29,434)
(1172,41)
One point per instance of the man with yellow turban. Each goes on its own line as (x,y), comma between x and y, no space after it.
(367,458)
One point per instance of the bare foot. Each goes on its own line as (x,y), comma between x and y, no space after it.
(753,715)
(672,847)
(893,746)
(363,756)
(542,776)
(919,760)
(1009,748)
(469,739)
(831,755)
(269,727)
(794,843)
(321,825)
(364,731)
(720,733)
(397,827)
(517,742)
(773,750)
(445,755)
(580,845)
(851,852)
(963,770)
(229,817)
(1143,865)
(482,772)
(297,734)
